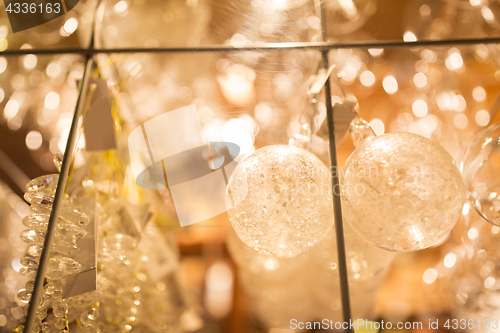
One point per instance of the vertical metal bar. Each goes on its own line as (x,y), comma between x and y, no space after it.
(61,186)
(337,209)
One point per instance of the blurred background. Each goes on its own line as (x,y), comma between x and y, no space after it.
(257,98)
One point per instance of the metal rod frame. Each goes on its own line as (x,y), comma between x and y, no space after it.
(337,209)
(58,201)
(324,47)
(317,46)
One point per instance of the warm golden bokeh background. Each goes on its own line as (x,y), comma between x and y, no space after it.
(406,295)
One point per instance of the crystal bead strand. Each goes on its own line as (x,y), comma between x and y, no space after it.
(115,305)
(40,194)
(117,279)
(125,289)
(83,310)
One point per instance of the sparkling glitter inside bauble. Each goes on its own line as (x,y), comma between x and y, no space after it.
(401,192)
(282,200)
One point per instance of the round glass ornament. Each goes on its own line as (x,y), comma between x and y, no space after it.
(282,200)
(481,171)
(401,191)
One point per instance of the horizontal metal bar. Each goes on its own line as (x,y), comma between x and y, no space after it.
(319,46)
